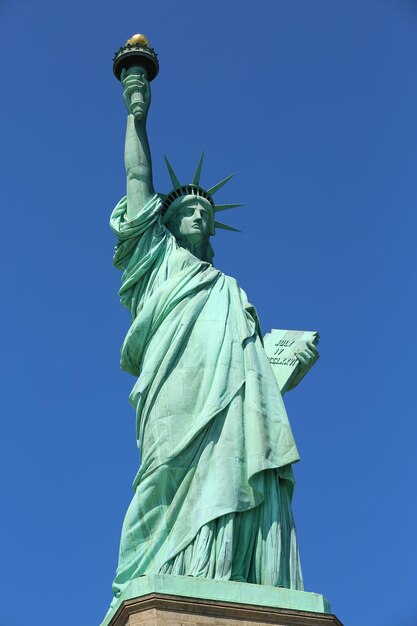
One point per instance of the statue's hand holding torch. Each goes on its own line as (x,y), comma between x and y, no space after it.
(137,91)
(135,64)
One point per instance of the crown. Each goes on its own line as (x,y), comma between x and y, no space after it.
(194,189)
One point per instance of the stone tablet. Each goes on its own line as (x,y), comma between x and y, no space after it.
(281,346)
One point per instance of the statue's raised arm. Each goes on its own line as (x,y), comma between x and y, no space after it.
(137,97)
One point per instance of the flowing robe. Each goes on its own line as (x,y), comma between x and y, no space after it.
(212,497)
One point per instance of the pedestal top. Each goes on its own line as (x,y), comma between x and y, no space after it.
(221,598)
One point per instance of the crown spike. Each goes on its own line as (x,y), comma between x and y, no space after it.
(225,207)
(172,174)
(225,227)
(219,185)
(196,179)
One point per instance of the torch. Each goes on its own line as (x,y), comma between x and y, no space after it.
(136,52)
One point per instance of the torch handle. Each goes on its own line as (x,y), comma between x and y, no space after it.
(137,101)
(136,97)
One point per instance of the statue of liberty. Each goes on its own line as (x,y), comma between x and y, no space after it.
(212,497)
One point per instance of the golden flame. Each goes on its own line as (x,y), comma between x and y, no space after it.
(141,39)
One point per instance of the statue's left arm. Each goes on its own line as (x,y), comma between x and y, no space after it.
(306,359)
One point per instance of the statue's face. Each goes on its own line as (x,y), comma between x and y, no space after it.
(193,220)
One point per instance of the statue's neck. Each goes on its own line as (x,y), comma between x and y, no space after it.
(201,250)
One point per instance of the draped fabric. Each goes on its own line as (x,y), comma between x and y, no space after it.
(212,497)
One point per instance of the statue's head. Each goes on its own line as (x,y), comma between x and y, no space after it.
(188,211)
(191,218)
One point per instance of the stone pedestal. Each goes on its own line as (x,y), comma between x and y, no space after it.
(183,601)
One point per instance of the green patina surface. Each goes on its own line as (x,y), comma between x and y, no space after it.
(223,591)
(212,497)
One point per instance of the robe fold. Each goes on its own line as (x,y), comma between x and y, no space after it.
(212,497)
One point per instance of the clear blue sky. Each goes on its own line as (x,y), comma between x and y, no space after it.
(314,104)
